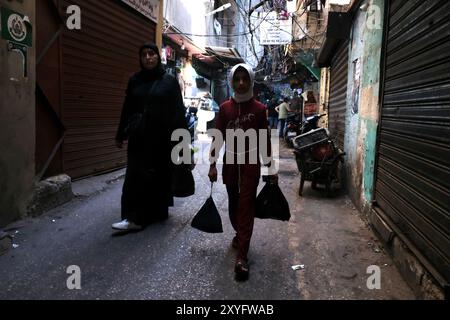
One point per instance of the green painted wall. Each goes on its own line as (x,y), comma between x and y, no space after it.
(362,126)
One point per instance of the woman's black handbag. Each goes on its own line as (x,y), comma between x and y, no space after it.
(272,204)
(183,184)
(208,218)
(134,123)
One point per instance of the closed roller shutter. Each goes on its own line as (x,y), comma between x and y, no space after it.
(338,94)
(413,171)
(97,62)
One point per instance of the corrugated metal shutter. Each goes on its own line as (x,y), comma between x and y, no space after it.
(97,63)
(413,173)
(49,126)
(338,94)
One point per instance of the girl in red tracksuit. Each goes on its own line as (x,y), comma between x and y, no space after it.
(242,111)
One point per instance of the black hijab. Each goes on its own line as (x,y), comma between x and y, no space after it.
(156,72)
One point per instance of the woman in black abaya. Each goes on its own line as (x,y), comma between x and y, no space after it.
(152,110)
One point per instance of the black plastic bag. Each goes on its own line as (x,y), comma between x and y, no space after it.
(272,204)
(208,218)
(183,184)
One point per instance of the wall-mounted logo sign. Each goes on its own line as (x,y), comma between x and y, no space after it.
(16,27)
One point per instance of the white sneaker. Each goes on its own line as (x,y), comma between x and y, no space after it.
(126,225)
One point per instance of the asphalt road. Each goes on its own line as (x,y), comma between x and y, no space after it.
(172,261)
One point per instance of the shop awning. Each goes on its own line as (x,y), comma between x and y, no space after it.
(306,58)
(180,39)
(228,55)
(215,59)
(338,29)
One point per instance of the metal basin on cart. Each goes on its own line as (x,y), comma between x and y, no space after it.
(317,159)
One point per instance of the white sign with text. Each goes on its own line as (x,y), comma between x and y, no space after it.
(275,31)
(149,8)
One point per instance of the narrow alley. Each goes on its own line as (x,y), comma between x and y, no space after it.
(171,260)
(104,105)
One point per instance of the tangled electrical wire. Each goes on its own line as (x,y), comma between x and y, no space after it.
(250,33)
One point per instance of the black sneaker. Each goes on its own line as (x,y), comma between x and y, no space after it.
(241,270)
(235,243)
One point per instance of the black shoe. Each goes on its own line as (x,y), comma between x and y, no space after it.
(241,270)
(235,243)
(160,217)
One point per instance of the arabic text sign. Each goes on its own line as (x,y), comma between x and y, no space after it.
(275,31)
(149,8)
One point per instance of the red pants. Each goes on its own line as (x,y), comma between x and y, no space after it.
(241,204)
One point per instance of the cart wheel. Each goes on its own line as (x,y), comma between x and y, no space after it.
(328,189)
(329,184)
(338,176)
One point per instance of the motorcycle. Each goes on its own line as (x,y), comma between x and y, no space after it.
(292,128)
(295,127)
(311,123)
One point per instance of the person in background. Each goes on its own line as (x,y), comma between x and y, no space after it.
(283,110)
(296,104)
(272,114)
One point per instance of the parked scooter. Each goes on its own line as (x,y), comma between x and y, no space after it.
(295,127)
(311,123)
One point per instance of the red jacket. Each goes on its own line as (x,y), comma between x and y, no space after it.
(247,115)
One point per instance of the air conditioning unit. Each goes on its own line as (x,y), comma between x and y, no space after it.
(314,6)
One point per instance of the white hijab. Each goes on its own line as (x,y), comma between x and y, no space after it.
(239,98)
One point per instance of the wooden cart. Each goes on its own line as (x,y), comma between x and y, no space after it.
(318,160)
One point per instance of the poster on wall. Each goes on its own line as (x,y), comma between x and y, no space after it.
(149,8)
(356,85)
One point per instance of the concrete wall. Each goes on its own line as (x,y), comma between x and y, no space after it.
(17,123)
(309,27)
(362,117)
(177,14)
(324,95)
(250,51)
(189,16)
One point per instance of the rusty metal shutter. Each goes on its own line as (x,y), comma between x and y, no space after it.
(338,94)
(49,125)
(97,62)
(413,171)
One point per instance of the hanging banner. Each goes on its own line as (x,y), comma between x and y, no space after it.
(149,8)
(275,31)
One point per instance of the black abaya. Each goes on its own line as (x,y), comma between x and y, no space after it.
(147,188)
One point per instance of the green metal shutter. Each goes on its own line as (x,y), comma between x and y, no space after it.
(338,94)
